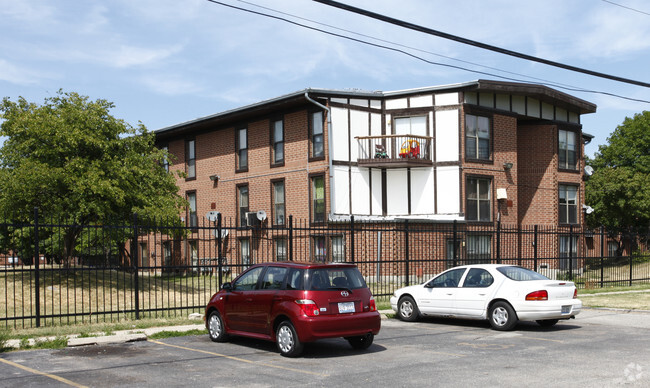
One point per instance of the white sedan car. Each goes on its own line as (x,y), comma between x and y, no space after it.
(502,294)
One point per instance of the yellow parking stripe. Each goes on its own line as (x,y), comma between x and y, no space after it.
(34,371)
(240,359)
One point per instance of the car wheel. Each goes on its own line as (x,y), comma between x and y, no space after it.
(502,316)
(361,342)
(547,322)
(287,340)
(216,329)
(407,310)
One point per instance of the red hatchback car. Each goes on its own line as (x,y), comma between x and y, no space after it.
(294,303)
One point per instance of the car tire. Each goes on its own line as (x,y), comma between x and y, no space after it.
(502,316)
(407,309)
(216,328)
(287,340)
(547,322)
(361,342)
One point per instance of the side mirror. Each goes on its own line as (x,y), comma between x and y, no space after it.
(227,286)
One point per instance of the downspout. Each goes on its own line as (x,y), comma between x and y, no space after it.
(329,151)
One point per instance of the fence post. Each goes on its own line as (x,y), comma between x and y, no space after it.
(352,239)
(631,264)
(455,244)
(602,256)
(406,251)
(570,252)
(37,265)
(535,248)
(499,242)
(134,256)
(290,237)
(219,242)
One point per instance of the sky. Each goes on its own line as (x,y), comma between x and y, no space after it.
(164,62)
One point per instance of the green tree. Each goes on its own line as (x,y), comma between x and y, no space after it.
(72,160)
(619,189)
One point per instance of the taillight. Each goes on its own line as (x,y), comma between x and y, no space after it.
(537,295)
(575,294)
(371,304)
(308,307)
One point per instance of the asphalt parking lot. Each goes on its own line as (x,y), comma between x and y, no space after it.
(599,349)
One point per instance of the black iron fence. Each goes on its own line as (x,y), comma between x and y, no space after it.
(66,273)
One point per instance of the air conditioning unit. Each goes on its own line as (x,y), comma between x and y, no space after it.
(251,219)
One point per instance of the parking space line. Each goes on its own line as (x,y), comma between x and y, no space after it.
(240,359)
(34,371)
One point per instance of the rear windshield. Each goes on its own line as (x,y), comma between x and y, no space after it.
(335,279)
(521,274)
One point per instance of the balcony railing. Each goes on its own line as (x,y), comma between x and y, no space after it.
(393,151)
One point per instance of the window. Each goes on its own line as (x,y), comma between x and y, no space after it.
(280,249)
(450,278)
(193,248)
(242,199)
(167,254)
(478,277)
(568,249)
(612,249)
(477,137)
(296,279)
(319,248)
(318,199)
(144,255)
(242,149)
(248,281)
(165,161)
(338,249)
(192,218)
(479,199)
(568,150)
(478,249)
(568,204)
(277,142)
(190,158)
(245,252)
(278,203)
(316,135)
(273,278)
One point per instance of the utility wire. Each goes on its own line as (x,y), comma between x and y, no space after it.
(474,43)
(622,6)
(547,82)
(575,89)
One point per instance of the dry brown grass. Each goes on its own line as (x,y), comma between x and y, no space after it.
(84,295)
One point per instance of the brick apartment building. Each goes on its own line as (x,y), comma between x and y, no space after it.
(476,152)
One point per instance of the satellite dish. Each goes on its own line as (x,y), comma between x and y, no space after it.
(589,171)
(212,215)
(261,215)
(587,209)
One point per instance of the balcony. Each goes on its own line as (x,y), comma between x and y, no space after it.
(394,151)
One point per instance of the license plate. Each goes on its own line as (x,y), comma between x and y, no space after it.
(346,307)
(566,309)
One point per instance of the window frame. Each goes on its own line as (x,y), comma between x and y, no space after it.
(192,214)
(478,200)
(476,157)
(312,200)
(276,248)
(190,159)
(165,161)
(313,156)
(241,215)
(565,209)
(565,166)
(274,144)
(239,150)
(275,204)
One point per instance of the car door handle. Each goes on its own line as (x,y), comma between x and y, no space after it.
(249,299)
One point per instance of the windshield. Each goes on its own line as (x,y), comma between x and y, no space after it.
(521,274)
(335,278)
